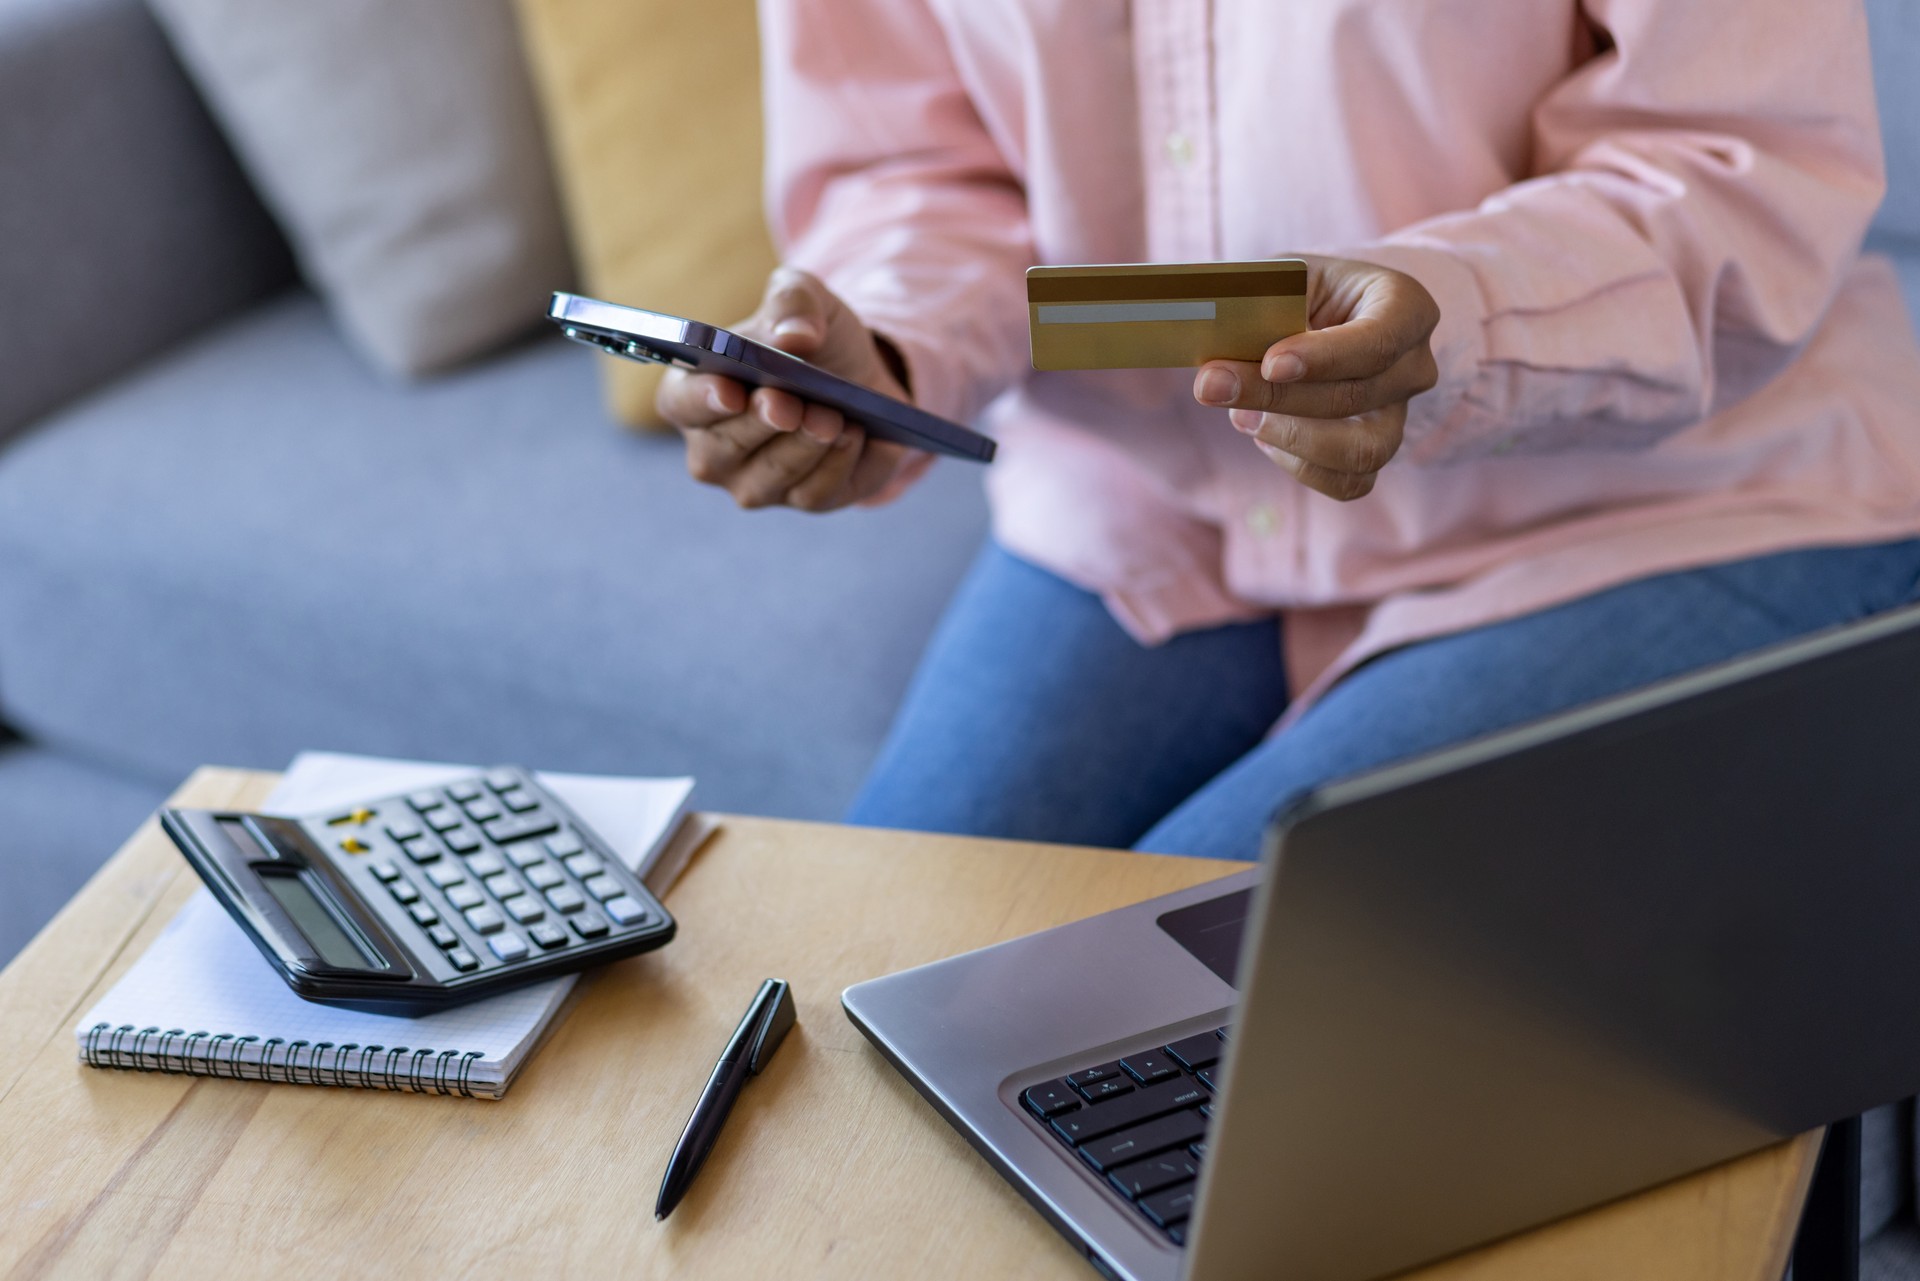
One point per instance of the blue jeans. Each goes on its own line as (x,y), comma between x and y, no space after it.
(1034,716)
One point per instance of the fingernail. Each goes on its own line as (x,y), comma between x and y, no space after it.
(765,413)
(844,440)
(794,327)
(1218,387)
(1284,368)
(1246,420)
(718,401)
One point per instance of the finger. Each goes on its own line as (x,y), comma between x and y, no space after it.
(1357,446)
(1345,486)
(698,400)
(881,463)
(826,487)
(717,452)
(1240,385)
(822,422)
(775,468)
(1392,316)
(910,470)
(781,411)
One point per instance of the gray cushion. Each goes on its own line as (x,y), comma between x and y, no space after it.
(1906,258)
(64,817)
(1895,26)
(258,547)
(124,223)
(399,143)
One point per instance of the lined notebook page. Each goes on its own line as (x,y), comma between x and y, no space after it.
(203,999)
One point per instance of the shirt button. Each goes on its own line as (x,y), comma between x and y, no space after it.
(1179,149)
(1263,520)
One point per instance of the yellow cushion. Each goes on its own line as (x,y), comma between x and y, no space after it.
(653,116)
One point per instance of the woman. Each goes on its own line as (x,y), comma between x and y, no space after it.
(1597,389)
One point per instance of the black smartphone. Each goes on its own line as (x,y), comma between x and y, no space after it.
(671,340)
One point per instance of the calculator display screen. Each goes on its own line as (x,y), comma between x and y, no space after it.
(334,945)
(242,839)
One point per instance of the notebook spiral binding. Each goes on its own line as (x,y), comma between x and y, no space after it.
(248,1058)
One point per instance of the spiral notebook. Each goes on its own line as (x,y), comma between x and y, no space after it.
(202,1000)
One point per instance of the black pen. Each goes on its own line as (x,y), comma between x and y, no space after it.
(752,1047)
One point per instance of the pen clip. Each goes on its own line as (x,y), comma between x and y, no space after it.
(778,1015)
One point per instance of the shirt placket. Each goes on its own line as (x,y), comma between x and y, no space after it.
(1175,64)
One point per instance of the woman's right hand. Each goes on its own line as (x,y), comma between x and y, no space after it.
(770,448)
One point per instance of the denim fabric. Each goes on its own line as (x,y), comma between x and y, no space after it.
(1033,716)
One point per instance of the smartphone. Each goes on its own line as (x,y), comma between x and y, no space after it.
(671,340)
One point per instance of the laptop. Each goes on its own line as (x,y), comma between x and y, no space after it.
(1470,992)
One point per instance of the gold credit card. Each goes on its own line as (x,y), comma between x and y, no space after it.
(1163,315)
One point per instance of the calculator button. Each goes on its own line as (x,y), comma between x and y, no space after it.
(405,892)
(464,896)
(442,936)
(463,960)
(446,874)
(403,829)
(485,865)
(525,855)
(444,819)
(563,844)
(516,827)
(486,919)
(526,909)
(547,936)
(483,809)
(508,946)
(357,818)
(604,887)
(544,875)
(626,910)
(565,899)
(519,802)
(424,850)
(502,885)
(585,865)
(501,780)
(461,840)
(424,914)
(424,801)
(463,791)
(589,925)
(354,845)
(386,871)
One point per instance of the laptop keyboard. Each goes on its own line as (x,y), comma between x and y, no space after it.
(1140,1122)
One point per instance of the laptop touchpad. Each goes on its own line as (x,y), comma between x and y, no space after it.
(1211,931)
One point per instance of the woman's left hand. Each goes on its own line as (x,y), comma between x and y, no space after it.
(1330,405)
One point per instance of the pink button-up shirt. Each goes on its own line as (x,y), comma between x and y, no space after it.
(1641,219)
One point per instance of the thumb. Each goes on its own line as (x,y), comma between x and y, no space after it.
(793,315)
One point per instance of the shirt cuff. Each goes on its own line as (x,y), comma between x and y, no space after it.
(1442,423)
(936,385)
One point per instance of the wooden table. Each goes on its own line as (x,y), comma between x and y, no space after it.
(832,1166)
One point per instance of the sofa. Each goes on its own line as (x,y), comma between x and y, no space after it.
(223,538)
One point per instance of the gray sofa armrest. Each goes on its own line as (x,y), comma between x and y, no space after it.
(125,224)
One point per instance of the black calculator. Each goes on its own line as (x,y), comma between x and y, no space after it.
(412,903)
